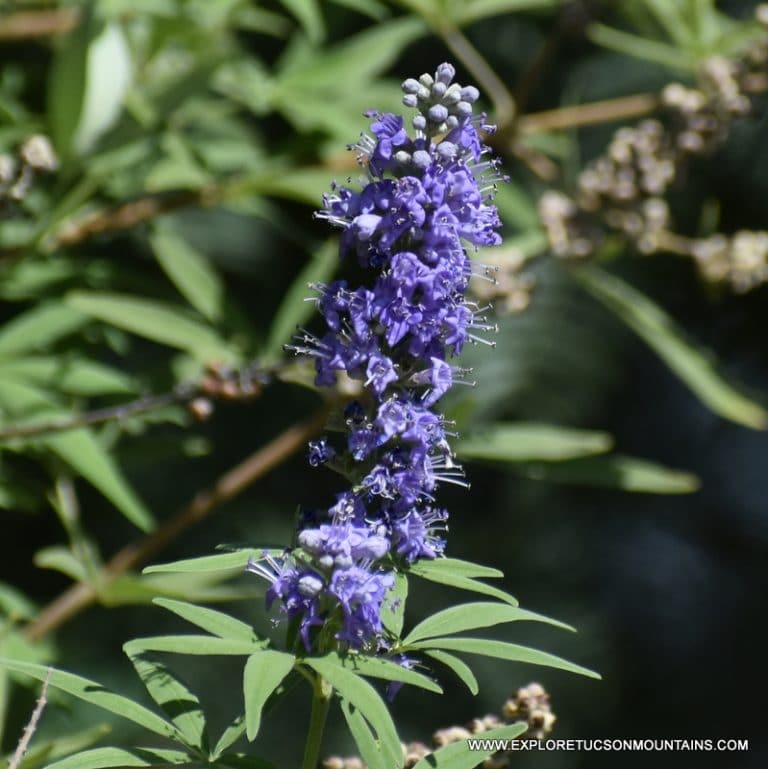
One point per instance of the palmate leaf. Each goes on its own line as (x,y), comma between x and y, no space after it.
(174,699)
(471,616)
(197,645)
(360,694)
(215,622)
(379,667)
(393,615)
(459,667)
(95,694)
(369,748)
(104,758)
(459,755)
(263,673)
(189,270)
(503,650)
(159,322)
(236,561)
(662,334)
(440,570)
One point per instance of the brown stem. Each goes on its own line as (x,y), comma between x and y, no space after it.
(82,595)
(31,24)
(589,114)
(29,731)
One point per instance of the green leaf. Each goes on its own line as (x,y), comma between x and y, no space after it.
(459,755)
(189,271)
(470,616)
(462,13)
(617,471)
(307,13)
(640,47)
(43,753)
(61,558)
(215,622)
(359,693)
(200,645)
(157,321)
(85,455)
(505,651)
(174,699)
(462,568)
(522,442)
(459,667)
(38,328)
(427,570)
(367,745)
(229,736)
(294,308)
(379,667)
(263,673)
(104,758)
(662,334)
(236,561)
(95,694)
(393,614)
(74,376)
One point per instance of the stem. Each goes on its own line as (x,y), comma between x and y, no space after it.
(83,594)
(321,701)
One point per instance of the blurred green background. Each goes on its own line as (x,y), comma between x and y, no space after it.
(217,125)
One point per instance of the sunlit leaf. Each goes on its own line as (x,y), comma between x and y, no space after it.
(458,666)
(263,673)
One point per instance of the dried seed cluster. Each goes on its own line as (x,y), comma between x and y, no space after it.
(530,705)
(623,191)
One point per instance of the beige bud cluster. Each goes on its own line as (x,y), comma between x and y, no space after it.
(17,172)
(530,705)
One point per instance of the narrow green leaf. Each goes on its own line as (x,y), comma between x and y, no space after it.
(263,673)
(107,77)
(393,614)
(215,622)
(85,455)
(378,667)
(359,693)
(470,616)
(522,442)
(640,47)
(367,745)
(76,376)
(201,645)
(617,471)
(662,334)
(307,13)
(189,271)
(229,736)
(462,12)
(95,694)
(175,700)
(505,651)
(671,19)
(104,758)
(294,309)
(157,321)
(459,667)
(462,568)
(43,753)
(38,328)
(61,558)
(459,755)
(426,570)
(236,561)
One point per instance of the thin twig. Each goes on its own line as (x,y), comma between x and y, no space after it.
(82,595)
(98,416)
(29,731)
(592,113)
(24,25)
